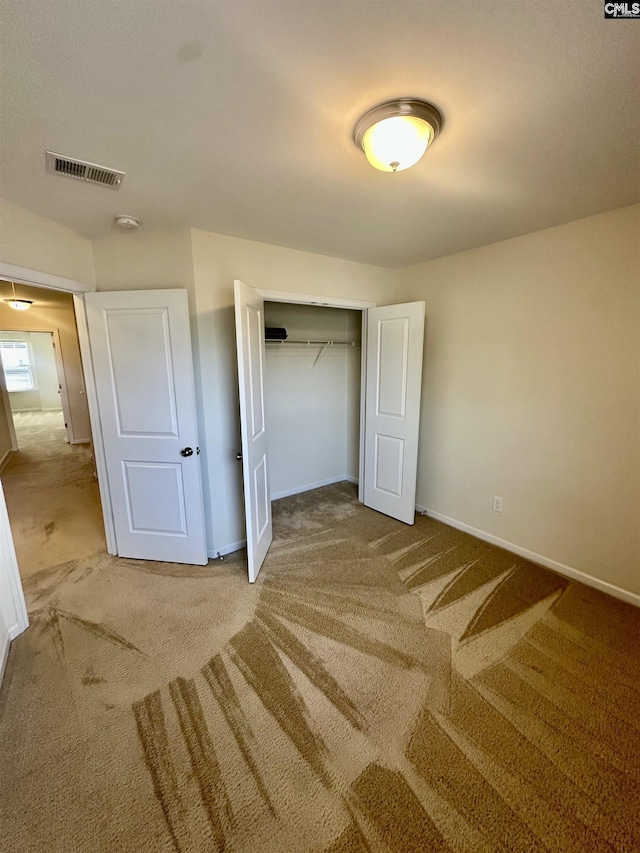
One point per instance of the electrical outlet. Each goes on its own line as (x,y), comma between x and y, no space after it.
(497,504)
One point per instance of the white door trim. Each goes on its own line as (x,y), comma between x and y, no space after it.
(363,400)
(15,611)
(22,275)
(96,426)
(313,299)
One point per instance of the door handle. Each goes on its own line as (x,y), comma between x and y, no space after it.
(239,456)
(187,451)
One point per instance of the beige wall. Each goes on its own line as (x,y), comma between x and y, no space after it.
(144,260)
(32,241)
(531,381)
(532,392)
(217,260)
(47,318)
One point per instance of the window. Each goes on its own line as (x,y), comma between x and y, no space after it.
(17,365)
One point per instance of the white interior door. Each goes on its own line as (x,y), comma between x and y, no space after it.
(255,459)
(13,610)
(395,336)
(141,351)
(62,385)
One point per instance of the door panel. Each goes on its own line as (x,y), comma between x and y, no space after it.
(389,457)
(155,517)
(158,417)
(141,352)
(249,308)
(393,352)
(395,336)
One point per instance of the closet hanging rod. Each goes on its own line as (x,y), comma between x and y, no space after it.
(312,343)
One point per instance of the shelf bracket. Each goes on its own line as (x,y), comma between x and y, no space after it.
(321,353)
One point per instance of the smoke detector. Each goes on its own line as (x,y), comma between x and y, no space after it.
(80,170)
(127,223)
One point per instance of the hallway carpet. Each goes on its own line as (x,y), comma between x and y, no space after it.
(52,494)
(380,688)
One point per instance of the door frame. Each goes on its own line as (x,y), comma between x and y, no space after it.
(362,305)
(62,383)
(6,405)
(8,560)
(35,278)
(94,420)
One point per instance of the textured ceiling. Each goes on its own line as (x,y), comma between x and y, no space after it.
(236,117)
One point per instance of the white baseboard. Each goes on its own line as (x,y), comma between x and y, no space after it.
(37,409)
(228,549)
(298,490)
(80,441)
(560,568)
(349,479)
(5,459)
(17,629)
(5,643)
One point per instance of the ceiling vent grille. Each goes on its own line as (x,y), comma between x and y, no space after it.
(91,173)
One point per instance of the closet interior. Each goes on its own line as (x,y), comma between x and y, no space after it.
(312,396)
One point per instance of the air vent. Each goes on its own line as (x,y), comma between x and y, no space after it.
(80,170)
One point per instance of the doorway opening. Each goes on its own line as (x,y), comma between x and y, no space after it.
(312,396)
(48,470)
(313,380)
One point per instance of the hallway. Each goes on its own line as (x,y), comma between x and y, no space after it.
(52,495)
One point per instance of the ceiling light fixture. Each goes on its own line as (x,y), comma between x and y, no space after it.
(18,304)
(395,135)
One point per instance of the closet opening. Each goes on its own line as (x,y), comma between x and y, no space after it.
(379,426)
(313,393)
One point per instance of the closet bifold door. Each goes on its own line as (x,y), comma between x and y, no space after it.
(249,311)
(395,337)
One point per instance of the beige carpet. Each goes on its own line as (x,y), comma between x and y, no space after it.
(52,494)
(382,688)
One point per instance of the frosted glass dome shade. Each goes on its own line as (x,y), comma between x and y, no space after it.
(396,143)
(19,304)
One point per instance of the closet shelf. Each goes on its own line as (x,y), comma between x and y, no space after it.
(324,344)
(316,343)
